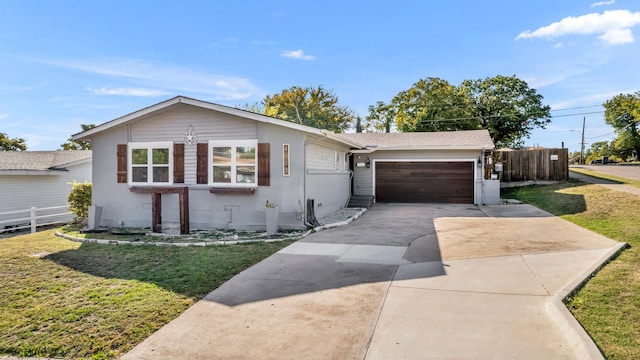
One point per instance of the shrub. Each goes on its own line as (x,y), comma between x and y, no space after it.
(79,200)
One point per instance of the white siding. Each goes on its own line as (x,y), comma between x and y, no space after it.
(21,192)
(328,180)
(209,125)
(320,157)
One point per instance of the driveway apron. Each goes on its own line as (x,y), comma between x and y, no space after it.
(401,282)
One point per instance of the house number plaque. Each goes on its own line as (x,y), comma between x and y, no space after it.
(285,160)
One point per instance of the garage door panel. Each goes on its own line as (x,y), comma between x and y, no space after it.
(436,182)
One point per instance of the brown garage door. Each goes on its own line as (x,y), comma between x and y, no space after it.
(424,182)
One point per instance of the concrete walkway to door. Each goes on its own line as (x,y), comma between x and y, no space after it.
(402,282)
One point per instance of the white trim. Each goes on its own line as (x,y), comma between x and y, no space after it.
(233,144)
(31,172)
(149,146)
(326,171)
(473,164)
(431,147)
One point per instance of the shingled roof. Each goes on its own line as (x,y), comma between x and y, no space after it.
(468,139)
(41,160)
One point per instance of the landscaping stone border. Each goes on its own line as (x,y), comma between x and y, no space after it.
(208,243)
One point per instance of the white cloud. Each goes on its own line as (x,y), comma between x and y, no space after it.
(613,26)
(3,116)
(587,100)
(172,78)
(297,54)
(617,37)
(128,92)
(601,3)
(539,82)
(558,45)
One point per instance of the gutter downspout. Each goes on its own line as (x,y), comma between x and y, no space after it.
(351,175)
(482,196)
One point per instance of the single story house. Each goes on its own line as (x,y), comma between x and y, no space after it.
(213,166)
(40,179)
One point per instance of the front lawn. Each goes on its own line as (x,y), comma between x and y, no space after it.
(608,306)
(60,298)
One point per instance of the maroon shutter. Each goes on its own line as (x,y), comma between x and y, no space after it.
(202,164)
(122,163)
(178,163)
(264,165)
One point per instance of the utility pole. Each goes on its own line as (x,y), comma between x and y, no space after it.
(582,142)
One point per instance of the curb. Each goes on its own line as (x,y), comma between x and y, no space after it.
(205,243)
(582,344)
(329,226)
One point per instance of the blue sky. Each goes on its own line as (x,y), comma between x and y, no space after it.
(66,63)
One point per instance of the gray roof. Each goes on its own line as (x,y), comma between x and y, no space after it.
(41,160)
(474,139)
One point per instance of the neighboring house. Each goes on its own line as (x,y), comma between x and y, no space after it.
(39,179)
(213,166)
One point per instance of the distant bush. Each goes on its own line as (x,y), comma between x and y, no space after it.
(79,200)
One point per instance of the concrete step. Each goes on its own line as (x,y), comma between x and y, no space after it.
(361,201)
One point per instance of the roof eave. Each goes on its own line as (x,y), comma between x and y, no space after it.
(72,163)
(23,172)
(203,104)
(432,147)
(342,139)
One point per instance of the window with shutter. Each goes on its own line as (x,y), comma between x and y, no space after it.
(233,163)
(150,163)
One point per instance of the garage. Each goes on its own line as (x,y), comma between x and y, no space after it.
(449,182)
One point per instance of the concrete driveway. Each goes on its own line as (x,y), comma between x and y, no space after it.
(402,282)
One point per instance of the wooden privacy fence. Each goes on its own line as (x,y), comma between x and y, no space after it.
(534,165)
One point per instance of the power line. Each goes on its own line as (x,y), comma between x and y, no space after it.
(506,115)
(584,113)
(577,107)
(611,133)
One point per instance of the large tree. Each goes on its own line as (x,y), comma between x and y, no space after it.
(504,105)
(507,107)
(623,113)
(313,106)
(78,144)
(381,117)
(15,144)
(432,104)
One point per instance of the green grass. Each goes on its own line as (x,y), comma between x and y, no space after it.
(599,175)
(608,306)
(60,298)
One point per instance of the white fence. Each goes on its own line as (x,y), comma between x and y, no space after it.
(34,217)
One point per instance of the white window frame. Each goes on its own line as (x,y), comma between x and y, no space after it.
(233,144)
(149,146)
